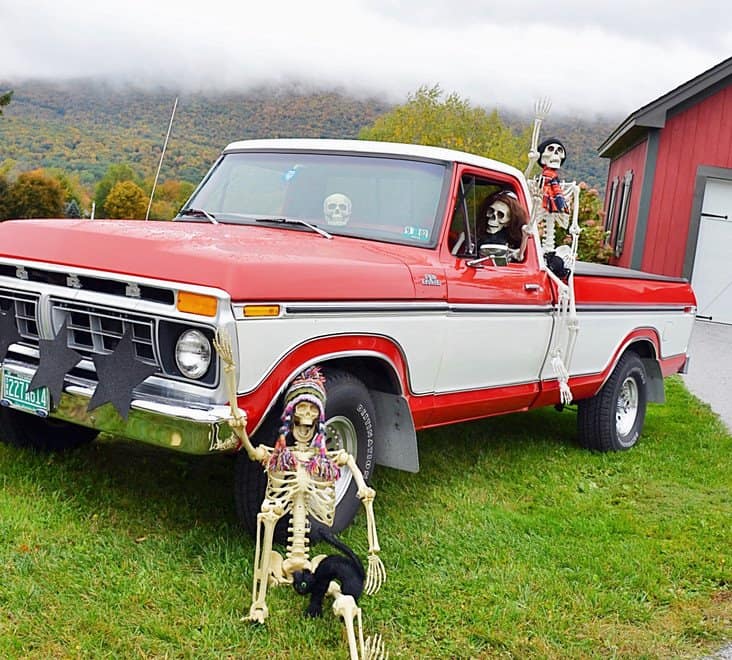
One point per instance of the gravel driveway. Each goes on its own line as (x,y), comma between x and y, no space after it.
(710,369)
(710,379)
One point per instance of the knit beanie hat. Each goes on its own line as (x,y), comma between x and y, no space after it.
(308,386)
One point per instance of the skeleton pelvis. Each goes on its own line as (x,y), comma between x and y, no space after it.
(276,573)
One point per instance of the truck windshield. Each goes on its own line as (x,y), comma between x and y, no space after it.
(373,197)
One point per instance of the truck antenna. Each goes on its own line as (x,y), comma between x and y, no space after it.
(160,164)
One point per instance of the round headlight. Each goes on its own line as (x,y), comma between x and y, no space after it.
(193,353)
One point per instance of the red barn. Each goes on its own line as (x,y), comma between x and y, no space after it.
(668,200)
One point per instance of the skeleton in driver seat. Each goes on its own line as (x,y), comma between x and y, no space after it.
(300,482)
(503,221)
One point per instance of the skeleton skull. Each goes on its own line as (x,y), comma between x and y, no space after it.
(305,416)
(498,215)
(553,155)
(337,209)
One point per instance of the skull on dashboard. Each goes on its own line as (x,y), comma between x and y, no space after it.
(337,209)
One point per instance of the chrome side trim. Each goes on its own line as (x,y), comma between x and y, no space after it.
(391,308)
(468,308)
(640,307)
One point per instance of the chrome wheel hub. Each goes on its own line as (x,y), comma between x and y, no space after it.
(341,434)
(626,410)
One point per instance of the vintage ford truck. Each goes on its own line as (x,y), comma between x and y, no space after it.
(357,256)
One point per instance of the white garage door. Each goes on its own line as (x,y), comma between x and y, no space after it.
(712,275)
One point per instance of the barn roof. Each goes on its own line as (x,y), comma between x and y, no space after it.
(654,115)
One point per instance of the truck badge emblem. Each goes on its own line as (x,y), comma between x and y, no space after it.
(132,290)
(431,280)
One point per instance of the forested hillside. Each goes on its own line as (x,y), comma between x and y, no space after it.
(85,126)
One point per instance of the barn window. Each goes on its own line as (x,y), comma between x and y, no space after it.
(612,199)
(623,205)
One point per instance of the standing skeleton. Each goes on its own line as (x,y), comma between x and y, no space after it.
(552,202)
(300,482)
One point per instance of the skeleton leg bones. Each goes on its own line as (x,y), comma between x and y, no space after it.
(345,607)
(263,561)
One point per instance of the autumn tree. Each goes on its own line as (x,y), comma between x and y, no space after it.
(431,118)
(4,100)
(169,198)
(5,167)
(4,187)
(115,174)
(72,210)
(34,195)
(71,186)
(126,200)
(592,244)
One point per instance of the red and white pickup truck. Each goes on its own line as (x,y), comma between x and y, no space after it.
(356,256)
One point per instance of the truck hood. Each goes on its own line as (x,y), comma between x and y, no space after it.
(250,262)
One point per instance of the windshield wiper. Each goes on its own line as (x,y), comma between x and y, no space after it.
(198,213)
(296,221)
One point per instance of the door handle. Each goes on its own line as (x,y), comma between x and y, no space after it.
(532,287)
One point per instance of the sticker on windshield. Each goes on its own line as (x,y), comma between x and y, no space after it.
(290,173)
(417,233)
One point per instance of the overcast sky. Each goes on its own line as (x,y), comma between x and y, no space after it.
(594,57)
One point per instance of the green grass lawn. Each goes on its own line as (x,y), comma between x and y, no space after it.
(511,542)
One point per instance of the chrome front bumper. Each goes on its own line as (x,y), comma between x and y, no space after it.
(193,428)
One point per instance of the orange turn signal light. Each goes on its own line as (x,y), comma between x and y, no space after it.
(261,310)
(197,303)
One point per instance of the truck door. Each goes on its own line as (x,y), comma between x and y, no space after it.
(499,320)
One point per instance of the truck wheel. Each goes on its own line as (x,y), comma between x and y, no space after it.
(42,434)
(350,425)
(612,420)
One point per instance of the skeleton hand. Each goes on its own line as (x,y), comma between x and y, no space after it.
(375,574)
(542,108)
(222,344)
(374,649)
(366,494)
(238,424)
(257,614)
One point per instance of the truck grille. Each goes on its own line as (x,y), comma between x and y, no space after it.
(25,305)
(95,330)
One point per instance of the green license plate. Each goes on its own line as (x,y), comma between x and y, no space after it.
(15,393)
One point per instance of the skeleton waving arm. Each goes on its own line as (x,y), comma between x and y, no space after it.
(541,110)
(238,421)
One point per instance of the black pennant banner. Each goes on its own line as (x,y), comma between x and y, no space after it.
(56,360)
(8,331)
(118,374)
